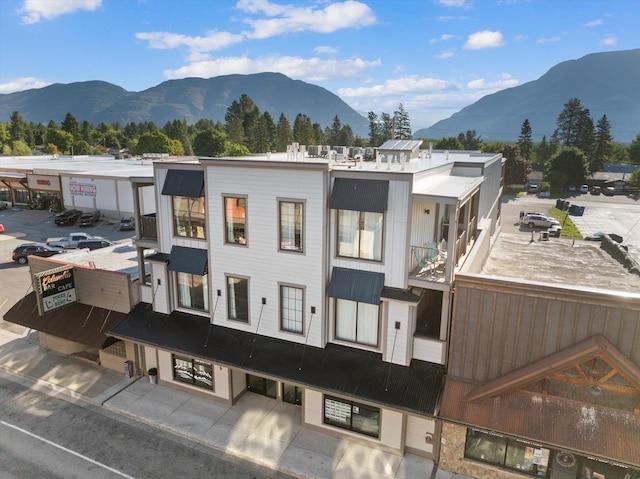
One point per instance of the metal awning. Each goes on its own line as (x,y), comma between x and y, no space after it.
(356,285)
(188,260)
(189,183)
(360,195)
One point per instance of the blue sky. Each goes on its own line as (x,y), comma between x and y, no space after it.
(433,56)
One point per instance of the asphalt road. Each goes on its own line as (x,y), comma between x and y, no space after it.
(46,437)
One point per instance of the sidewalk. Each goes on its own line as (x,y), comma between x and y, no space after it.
(256,428)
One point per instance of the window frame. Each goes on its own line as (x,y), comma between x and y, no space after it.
(191,372)
(338,408)
(301,311)
(298,248)
(361,222)
(189,225)
(245,280)
(205,291)
(357,309)
(240,235)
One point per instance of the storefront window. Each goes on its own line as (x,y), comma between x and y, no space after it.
(352,416)
(193,371)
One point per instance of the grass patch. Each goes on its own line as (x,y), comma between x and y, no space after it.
(569,230)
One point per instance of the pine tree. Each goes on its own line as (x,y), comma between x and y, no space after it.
(401,124)
(524,141)
(604,145)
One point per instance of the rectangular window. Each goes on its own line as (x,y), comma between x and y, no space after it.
(193,291)
(291,226)
(357,322)
(508,453)
(360,234)
(291,309)
(193,371)
(352,416)
(235,217)
(188,217)
(238,299)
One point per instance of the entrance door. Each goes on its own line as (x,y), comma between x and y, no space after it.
(264,386)
(291,394)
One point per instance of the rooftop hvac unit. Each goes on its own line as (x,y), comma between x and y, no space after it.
(314,150)
(341,150)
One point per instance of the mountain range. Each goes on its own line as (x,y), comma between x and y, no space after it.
(189,98)
(605,83)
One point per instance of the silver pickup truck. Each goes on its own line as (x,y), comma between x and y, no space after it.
(71,241)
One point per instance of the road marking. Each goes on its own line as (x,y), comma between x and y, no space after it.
(110,469)
(3,303)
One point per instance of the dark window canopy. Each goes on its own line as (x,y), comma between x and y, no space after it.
(360,195)
(189,183)
(356,285)
(188,260)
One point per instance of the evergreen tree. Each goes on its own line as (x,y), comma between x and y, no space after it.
(569,166)
(524,140)
(70,125)
(586,139)
(303,131)
(235,131)
(245,110)
(569,122)
(332,134)
(270,127)
(375,130)
(17,128)
(604,145)
(284,135)
(634,150)
(401,124)
(470,140)
(387,128)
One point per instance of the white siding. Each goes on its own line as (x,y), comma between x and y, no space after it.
(421,434)
(430,350)
(398,340)
(161,289)
(261,261)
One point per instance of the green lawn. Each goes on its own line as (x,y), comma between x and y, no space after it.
(569,230)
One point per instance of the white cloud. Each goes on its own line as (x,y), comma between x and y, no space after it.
(287,19)
(454,3)
(325,50)
(594,23)
(548,40)
(398,86)
(491,87)
(213,40)
(33,11)
(609,41)
(444,55)
(21,84)
(311,69)
(484,39)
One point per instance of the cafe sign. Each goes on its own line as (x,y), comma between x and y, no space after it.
(56,288)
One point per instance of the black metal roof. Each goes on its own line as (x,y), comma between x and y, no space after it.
(336,369)
(356,285)
(358,194)
(188,183)
(188,260)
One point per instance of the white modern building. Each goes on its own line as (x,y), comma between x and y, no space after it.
(319,283)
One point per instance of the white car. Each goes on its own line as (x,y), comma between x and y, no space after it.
(539,221)
(584,189)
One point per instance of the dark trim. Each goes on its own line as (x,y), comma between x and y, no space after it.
(189,183)
(336,369)
(188,260)
(360,195)
(356,285)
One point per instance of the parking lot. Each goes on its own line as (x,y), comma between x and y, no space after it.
(610,214)
(26,226)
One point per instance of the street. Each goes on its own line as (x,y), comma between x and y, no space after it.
(42,436)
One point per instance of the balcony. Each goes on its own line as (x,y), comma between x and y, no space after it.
(147,231)
(428,263)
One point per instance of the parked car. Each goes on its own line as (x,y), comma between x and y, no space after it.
(539,221)
(609,191)
(533,188)
(584,189)
(599,235)
(3,205)
(127,224)
(67,217)
(596,190)
(555,231)
(21,253)
(572,188)
(89,219)
(94,244)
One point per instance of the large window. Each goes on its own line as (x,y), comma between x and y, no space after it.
(235,218)
(193,371)
(291,309)
(357,322)
(238,299)
(193,292)
(360,234)
(291,226)
(188,217)
(352,416)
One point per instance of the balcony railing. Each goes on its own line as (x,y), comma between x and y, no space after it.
(428,262)
(148,227)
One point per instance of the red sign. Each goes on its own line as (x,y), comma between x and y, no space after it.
(43,182)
